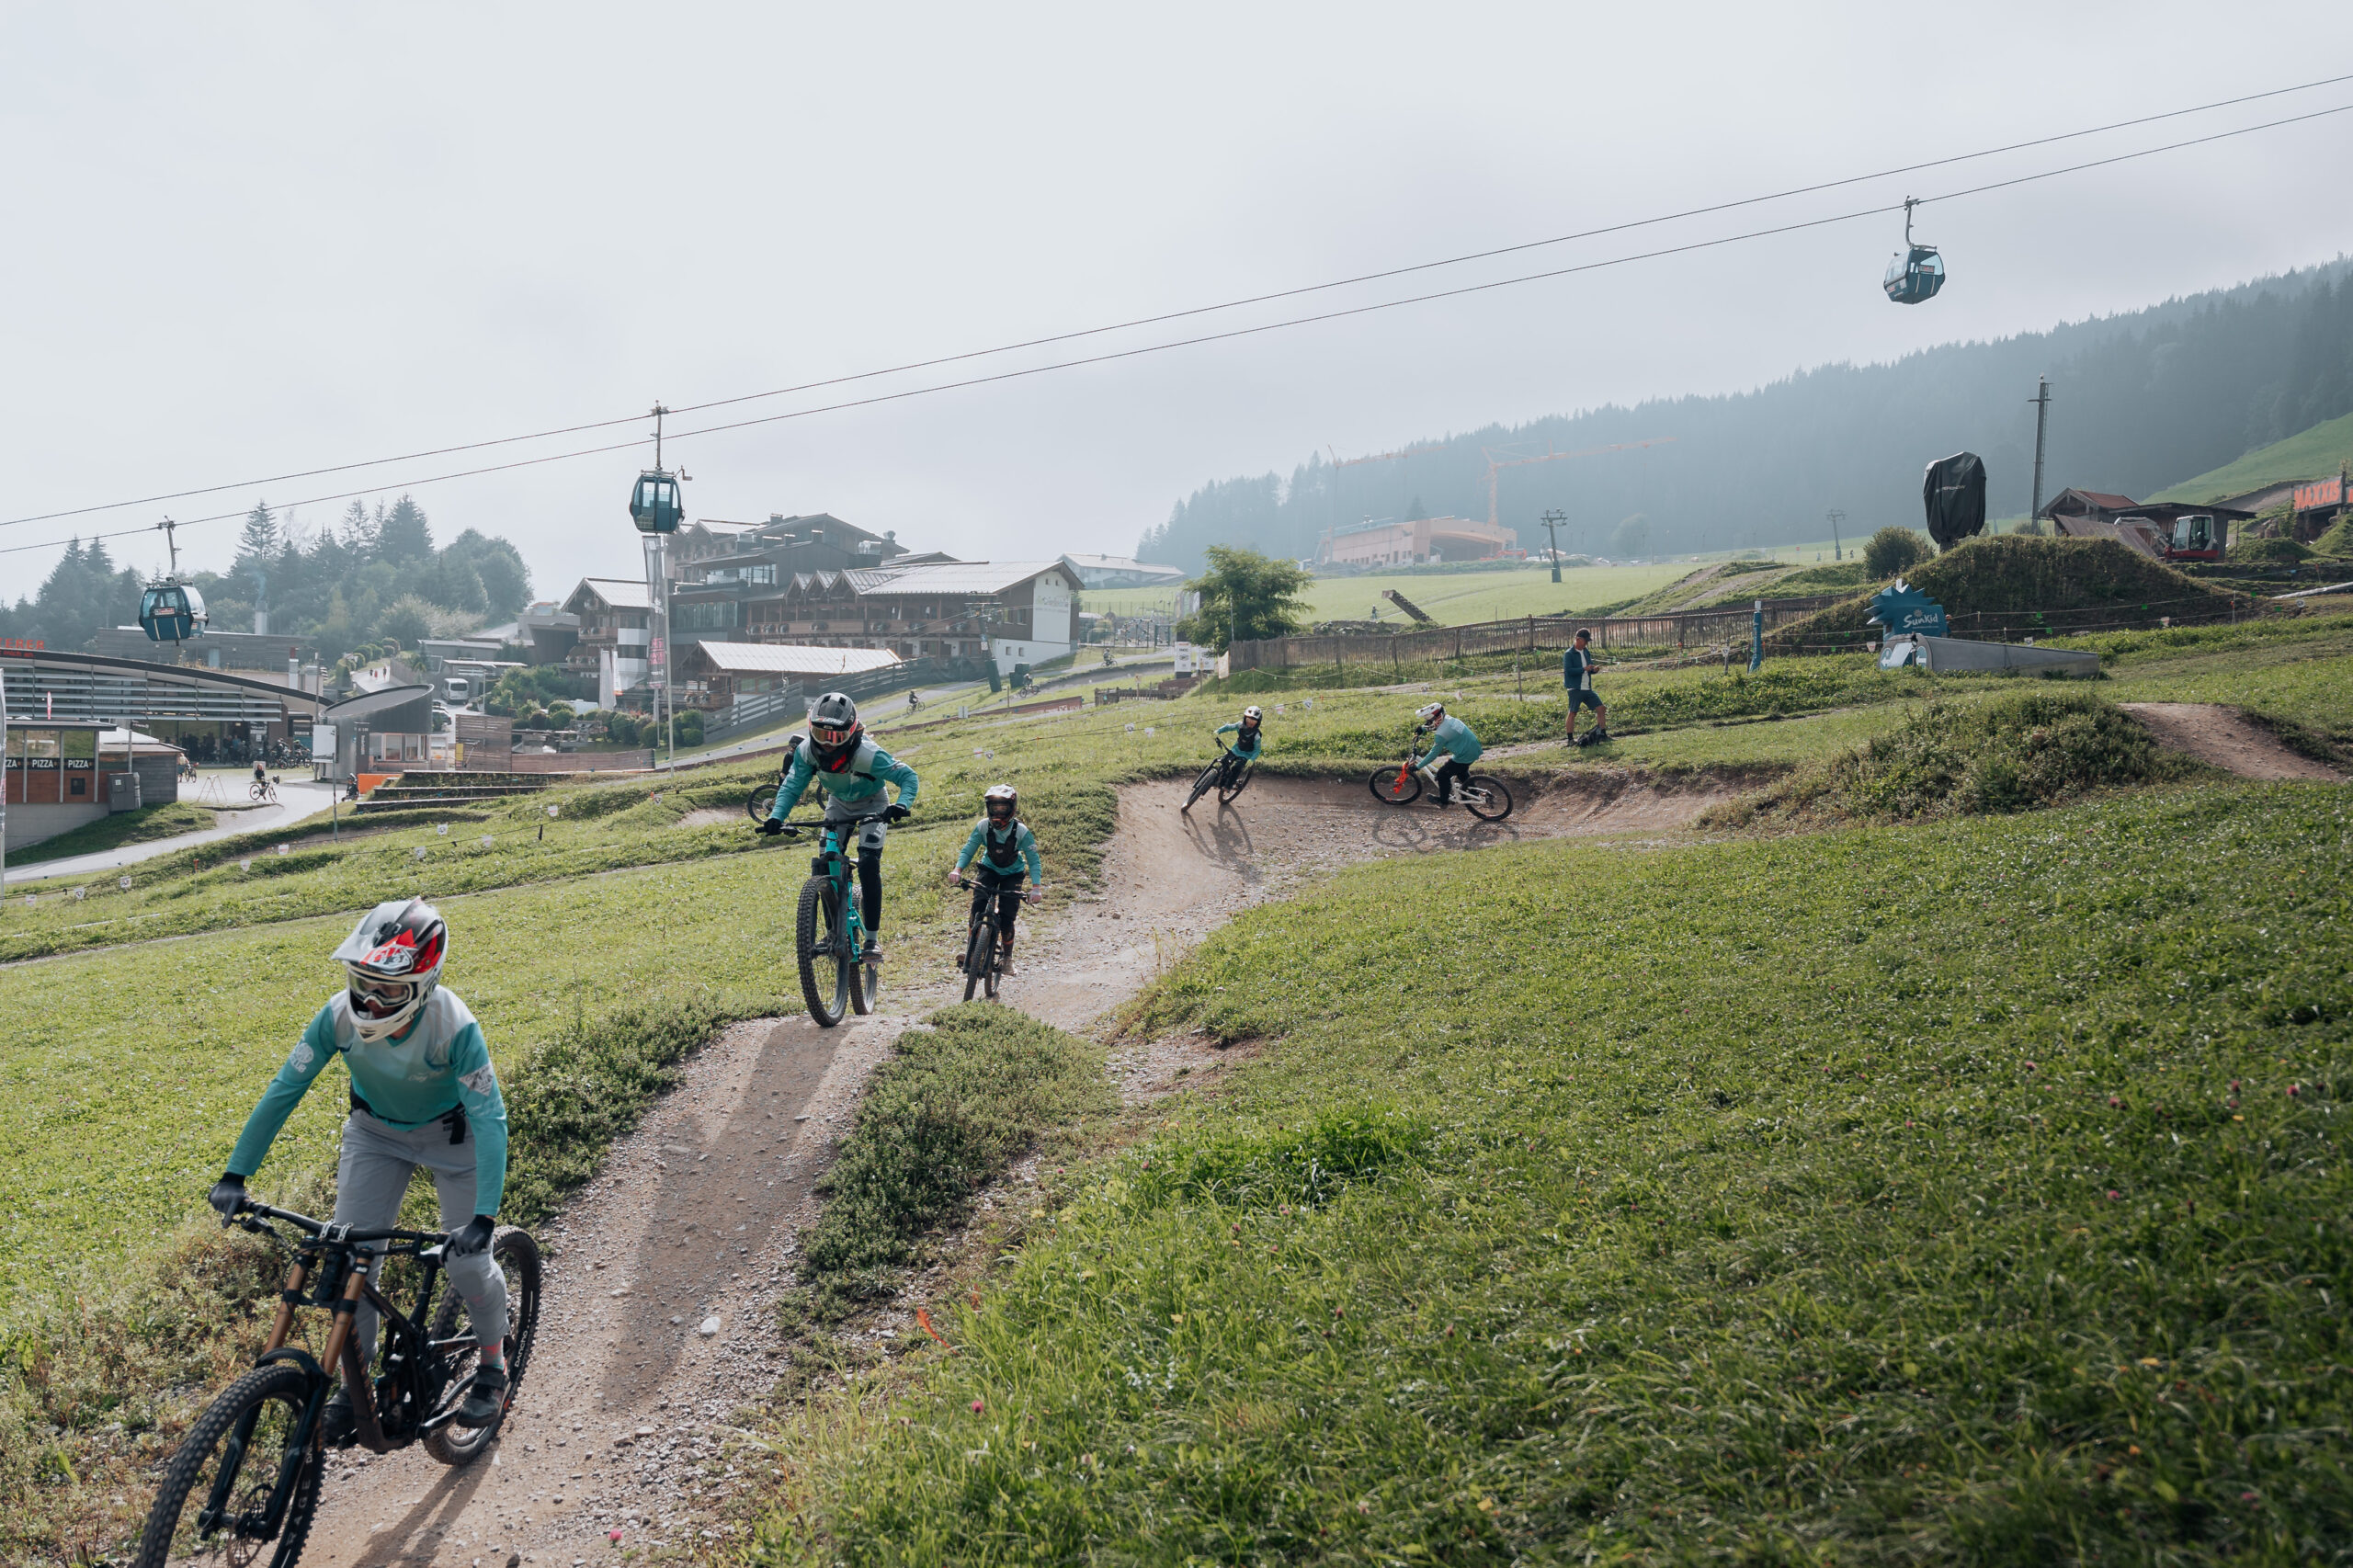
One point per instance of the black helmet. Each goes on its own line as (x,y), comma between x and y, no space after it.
(833,729)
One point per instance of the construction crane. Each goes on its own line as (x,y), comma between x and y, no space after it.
(1503,458)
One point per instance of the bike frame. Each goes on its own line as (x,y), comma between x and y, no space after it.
(836,868)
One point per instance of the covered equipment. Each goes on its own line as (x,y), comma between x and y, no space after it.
(1954,495)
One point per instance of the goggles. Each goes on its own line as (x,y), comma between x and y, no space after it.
(380,998)
(829,735)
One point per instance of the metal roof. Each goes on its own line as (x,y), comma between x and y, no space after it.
(956,577)
(619,592)
(791,659)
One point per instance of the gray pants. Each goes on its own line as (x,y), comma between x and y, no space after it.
(371,1180)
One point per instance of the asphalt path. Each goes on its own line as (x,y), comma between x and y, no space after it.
(299,801)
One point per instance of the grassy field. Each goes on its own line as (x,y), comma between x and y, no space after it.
(142,826)
(2309,454)
(1990,1208)
(1457,599)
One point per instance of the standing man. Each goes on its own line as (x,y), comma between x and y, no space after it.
(1576,673)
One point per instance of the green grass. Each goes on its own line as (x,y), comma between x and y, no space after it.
(1877,1197)
(142,826)
(2309,454)
(1455,600)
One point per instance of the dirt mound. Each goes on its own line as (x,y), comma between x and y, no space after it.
(2014,576)
(2225,738)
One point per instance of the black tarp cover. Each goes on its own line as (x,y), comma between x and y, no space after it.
(1954,493)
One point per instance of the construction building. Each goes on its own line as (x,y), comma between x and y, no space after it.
(1416,542)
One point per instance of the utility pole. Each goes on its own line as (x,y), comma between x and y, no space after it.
(1837,552)
(2041,400)
(1553,519)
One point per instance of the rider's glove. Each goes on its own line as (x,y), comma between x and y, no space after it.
(897,812)
(771,827)
(473,1237)
(226,1194)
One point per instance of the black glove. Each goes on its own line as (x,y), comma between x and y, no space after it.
(772,827)
(897,812)
(226,1194)
(473,1238)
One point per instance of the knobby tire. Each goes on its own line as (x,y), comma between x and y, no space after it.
(979,956)
(1498,805)
(276,1394)
(824,978)
(758,804)
(1226,792)
(1200,785)
(1385,787)
(518,1256)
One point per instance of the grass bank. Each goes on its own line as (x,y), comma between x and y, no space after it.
(1974,1191)
(143,826)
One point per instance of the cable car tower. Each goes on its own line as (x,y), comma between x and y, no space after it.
(1916,272)
(169,610)
(657,506)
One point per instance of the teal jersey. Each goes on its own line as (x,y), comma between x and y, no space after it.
(441,1064)
(1247,747)
(1453,737)
(857,783)
(1004,852)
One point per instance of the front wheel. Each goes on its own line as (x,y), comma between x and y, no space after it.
(1397,785)
(236,1463)
(1201,785)
(517,1256)
(1485,797)
(1227,788)
(825,970)
(980,957)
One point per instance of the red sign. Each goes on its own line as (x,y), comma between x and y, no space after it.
(2327,492)
(21,645)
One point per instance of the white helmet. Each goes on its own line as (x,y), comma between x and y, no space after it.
(1431,714)
(392,960)
(1253,714)
(1006,792)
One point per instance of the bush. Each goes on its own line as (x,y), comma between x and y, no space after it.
(2337,541)
(2269,552)
(1893,552)
(690,727)
(621,728)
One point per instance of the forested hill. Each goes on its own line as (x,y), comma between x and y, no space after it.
(2140,401)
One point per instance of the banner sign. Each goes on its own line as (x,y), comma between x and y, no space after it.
(1901,608)
(2326,493)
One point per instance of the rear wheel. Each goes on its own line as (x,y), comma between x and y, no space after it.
(757,805)
(1399,787)
(1485,797)
(824,975)
(1227,791)
(215,1503)
(517,1256)
(1201,786)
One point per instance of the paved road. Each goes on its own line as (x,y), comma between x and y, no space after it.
(299,801)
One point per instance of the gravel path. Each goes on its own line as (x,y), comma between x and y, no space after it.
(658,1320)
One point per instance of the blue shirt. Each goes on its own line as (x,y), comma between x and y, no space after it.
(441,1064)
(856,782)
(1005,851)
(1453,737)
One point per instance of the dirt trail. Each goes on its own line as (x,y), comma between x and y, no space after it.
(2225,738)
(657,1319)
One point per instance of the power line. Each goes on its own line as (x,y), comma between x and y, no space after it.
(1173,315)
(1259,329)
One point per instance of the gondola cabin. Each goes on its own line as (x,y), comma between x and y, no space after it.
(171,612)
(657,506)
(1914,275)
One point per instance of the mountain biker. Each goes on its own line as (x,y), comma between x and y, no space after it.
(1453,737)
(999,852)
(422,1093)
(1248,741)
(1577,674)
(842,759)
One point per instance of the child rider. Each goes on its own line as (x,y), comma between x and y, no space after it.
(1248,741)
(422,1093)
(1453,737)
(999,852)
(842,759)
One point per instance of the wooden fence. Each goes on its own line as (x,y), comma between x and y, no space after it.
(1528,634)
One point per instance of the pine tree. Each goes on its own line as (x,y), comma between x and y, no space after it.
(402,536)
(260,539)
(359,530)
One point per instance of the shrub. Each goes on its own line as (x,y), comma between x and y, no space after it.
(690,727)
(1893,552)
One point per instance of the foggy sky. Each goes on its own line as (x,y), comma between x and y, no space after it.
(257,238)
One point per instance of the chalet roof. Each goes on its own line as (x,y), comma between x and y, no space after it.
(951,577)
(790,659)
(613,593)
(2071,501)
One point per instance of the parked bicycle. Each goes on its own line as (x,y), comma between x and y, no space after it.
(1482,796)
(1229,775)
(762,801)
(985,938)
(253,1461)
(829,929)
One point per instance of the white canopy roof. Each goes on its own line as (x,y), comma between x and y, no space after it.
(790,659)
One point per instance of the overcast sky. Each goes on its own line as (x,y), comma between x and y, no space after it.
(249,239)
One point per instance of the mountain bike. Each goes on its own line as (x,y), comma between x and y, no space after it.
(1230,773)
(253,1461)
(829,932)
(1482,796)
(763,800)
(984,939)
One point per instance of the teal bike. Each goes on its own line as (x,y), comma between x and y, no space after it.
(829,930)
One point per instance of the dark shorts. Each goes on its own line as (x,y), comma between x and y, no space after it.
(1584,700)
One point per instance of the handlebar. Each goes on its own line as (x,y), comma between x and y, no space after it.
(251,1216)
(794,829)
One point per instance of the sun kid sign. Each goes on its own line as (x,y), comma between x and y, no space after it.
(1905,609)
